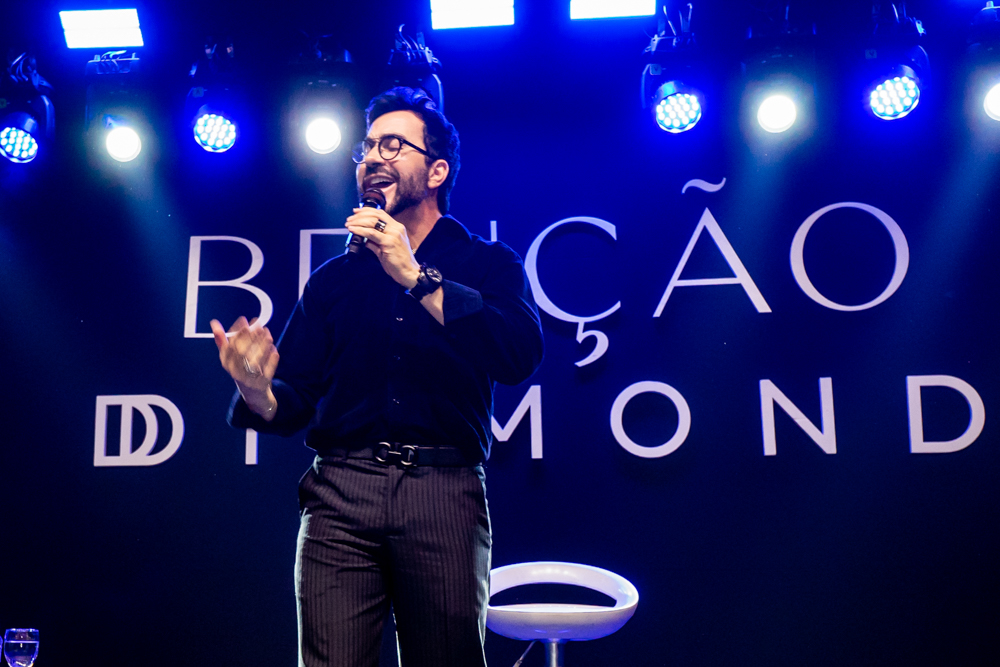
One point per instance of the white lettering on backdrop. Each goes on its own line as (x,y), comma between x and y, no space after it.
(740,274)
(305,252)
(546,304)
(683,419)
(531,404)
(824,435)
(194,283)
(143,456)
(977,414)
(898,242)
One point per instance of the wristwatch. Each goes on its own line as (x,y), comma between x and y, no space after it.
(428,281)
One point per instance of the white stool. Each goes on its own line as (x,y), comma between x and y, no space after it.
(555,624)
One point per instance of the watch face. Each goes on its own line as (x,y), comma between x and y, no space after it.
(434,275)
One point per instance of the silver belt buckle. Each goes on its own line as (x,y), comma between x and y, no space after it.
(407,454)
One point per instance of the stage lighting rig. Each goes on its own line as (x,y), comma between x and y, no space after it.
(27,117)
(672,58)
(212,98)
(898,70)
(779,67)
(115,103)
(412,64)
(984,53)
(324,106)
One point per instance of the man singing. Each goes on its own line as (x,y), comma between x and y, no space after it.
(390,358)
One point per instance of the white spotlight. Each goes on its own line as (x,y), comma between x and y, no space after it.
(123,144)
(323,136)
(992,102)
(777,113)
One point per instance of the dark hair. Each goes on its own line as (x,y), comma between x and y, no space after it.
(440,136)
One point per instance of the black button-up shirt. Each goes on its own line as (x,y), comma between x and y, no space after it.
(363,362)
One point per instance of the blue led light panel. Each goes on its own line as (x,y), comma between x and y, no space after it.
(471,13)
(102,28)
(604,9)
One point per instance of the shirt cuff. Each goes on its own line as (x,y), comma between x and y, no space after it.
(460,301)
(241,416)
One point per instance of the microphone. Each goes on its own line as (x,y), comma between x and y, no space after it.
(372,198)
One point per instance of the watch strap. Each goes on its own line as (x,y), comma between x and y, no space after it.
(425,283)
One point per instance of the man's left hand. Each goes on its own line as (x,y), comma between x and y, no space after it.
(391,245)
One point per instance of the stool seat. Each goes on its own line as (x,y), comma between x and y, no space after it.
(556,622)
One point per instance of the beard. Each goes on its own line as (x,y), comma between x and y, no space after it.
(410,191)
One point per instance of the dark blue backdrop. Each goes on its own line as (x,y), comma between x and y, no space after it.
(871,555)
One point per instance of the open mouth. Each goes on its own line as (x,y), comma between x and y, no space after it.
(379,181)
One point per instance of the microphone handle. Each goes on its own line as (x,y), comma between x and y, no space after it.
(355,242)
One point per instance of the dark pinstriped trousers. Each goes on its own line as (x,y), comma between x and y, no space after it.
(372,534)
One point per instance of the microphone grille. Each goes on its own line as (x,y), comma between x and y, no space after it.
(373,196)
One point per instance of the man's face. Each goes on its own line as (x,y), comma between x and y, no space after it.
(403,179)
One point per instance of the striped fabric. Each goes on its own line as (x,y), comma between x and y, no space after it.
(371,535)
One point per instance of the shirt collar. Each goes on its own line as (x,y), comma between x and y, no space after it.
(446,231)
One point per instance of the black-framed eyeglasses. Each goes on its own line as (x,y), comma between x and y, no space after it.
(388,148)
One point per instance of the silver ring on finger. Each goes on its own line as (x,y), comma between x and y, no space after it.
(252,371)
(379,226)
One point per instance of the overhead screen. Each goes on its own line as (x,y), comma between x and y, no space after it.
(471,13)
(107,28)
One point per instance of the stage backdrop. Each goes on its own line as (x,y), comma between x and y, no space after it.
(769,396)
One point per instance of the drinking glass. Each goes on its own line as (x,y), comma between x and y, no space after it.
(20,646)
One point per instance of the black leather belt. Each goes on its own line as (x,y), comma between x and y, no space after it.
(393,453)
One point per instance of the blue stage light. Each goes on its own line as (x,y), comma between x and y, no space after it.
(896,65)
(471,13)
(600,9)
(675,107)
(678,112)
(895,97)
(28,121)
(17,145)
(215,133)
(103,28)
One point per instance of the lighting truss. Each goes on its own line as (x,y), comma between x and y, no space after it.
(412,64)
